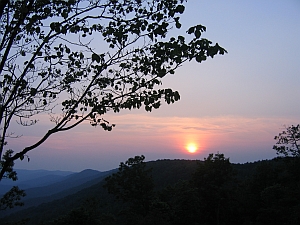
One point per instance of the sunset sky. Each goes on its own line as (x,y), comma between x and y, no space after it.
(233,104)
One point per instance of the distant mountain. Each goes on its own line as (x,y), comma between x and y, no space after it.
(165,172)
(33,178)
(68,182)
(66,185)
(70,196)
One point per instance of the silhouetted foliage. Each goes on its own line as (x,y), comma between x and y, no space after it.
(183,203)
(288,142)
(79,59)
(47,52)
(12,198)
(132,184)
(214,192)
(213,179)
(85,215)
(85,58)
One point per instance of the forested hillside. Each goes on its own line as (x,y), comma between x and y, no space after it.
(61,188)
(33,178)
(212,191)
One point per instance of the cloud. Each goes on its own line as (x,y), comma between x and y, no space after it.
(240,138)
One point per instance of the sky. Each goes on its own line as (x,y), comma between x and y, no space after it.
(233,104)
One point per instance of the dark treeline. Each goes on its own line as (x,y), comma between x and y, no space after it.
(212,191)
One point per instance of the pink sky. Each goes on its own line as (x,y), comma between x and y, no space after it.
(240,139)
(234,104)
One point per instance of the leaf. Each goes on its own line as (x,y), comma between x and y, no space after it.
(47,10)
(68,50)
(96,57)
(191,30)
(176,96)
(181,38)
(178,25)
(197,33)
(33,91)
(199,58)
(180,9)
(148,108)
(201,28)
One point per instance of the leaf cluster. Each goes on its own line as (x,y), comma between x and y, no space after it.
(132,183)
(78,60)
(288,142)
(12,198)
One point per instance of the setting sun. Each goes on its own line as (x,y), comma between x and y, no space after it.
(192,148)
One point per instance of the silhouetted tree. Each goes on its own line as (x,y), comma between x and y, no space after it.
(183,205)
(214,181)
(87,214)
(79,59)
(288,142)
(133,185)
(12,198)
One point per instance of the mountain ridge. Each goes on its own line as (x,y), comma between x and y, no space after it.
(165,173)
